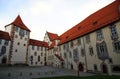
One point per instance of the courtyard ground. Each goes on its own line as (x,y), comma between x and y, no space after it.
(36,72)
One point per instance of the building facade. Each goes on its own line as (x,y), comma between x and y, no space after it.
(91,45)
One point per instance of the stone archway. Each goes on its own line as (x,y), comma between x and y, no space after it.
(4,60)
(104,68)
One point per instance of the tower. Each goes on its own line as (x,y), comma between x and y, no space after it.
(19,34)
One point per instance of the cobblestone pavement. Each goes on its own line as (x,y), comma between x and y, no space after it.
(36,72)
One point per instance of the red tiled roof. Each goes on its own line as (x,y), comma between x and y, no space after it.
(18,22)
(4,35)
(38,43)
(60,58)
(53,36)
(97,20)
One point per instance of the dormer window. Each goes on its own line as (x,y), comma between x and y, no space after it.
(95,23)
(79,28)
(67,37)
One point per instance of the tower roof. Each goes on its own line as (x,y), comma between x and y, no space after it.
(18,22)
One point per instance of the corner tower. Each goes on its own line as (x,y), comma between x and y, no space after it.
(19,34)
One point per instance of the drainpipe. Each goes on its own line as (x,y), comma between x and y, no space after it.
(85,54)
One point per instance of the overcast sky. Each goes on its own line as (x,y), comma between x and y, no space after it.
(56,16)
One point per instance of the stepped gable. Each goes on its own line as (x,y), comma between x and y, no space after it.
(38,43)
(53,36)
(4,35)
(95,21)
(18,22)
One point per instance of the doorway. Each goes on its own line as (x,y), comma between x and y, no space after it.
(4,60)
(80,67)
(104,68)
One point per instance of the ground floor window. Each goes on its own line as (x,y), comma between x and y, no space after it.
(116,68)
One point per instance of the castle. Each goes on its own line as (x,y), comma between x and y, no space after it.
(93,44)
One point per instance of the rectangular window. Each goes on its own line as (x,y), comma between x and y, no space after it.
(41,48)
(67,46)
(116,46)
(37,47)
(38,58)
(114,34)
(99,35)
(102,51)
(21,33)
(87,38)
(6,42)
(79,41)
(64,46)
(65,55)
(33,47)
(71,43)
(91,51)
(75,55)
(82,52)
(16,28)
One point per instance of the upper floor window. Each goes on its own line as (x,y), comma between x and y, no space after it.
(116,46)
(33,47)
(65,55)
(102,51)
(82,52)
(79,41)
(41,48)
(67,46)
(16,28)
(91,51)
(6,42)
(35,53)
(64,46)
(99,35)
(26,33)
(21,33)
(71,43)
(114,34)
(75,55)
(37,47)
(41,53)
(31,58)
(87,38)
(38,58)
(0,41)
